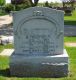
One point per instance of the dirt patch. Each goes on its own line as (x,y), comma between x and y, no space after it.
(70,44)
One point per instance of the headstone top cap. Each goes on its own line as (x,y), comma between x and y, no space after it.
(38,8)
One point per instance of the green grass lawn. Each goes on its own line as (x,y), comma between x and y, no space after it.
(69,39)
(4,65)
(2,13)
(70,20)
(9,46)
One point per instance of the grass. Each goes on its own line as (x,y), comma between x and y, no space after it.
(69,39)
(2,13)
(4,65)
(70,20)
(2,47)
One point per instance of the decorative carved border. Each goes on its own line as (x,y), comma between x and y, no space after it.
(37,15)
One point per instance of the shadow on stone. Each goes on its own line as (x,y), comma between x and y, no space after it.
(6,73)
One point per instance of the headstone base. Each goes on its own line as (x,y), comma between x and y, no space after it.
(39,66)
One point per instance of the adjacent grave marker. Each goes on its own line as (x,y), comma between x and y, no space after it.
(38,40)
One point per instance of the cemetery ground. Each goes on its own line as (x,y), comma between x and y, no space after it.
(70,20)
(4,64)
(4,60)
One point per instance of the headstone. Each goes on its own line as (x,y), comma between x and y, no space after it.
(38,42)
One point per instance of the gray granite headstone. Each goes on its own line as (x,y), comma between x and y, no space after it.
(38,42)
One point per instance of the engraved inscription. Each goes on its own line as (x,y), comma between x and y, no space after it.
(38,32)
(38,41)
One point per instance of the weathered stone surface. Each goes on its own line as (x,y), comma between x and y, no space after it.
(44,66)
(38,40)
(38,31)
